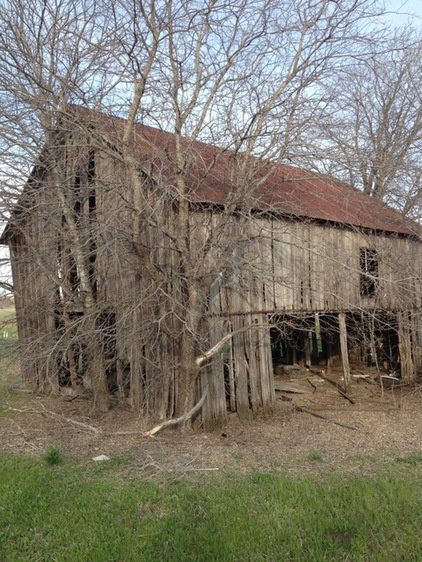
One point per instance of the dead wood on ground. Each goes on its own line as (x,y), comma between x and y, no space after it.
(182,419)
(320,416)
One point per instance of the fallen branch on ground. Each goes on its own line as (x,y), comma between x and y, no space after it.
(346,396)
(72,422)
(320,416)
(186,417)
(312,384)
(61,417)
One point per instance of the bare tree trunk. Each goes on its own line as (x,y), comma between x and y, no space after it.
(187,379)
(344,352)
(405,347)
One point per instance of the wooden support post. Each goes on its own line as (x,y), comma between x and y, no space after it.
(214,410)
(265,365)
(308,360)
(241,368)
(417,343)
(330,354)
(405,347)
(344,351)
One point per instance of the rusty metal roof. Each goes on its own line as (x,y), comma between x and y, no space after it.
(214,174)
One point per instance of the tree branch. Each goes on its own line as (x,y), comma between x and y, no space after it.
(186,417)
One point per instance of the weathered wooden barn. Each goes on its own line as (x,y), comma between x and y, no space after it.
(118,250)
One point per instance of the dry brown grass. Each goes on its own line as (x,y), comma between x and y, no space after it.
(386,427)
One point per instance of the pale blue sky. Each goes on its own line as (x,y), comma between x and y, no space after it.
(405,9)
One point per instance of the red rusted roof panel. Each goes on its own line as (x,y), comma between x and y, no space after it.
(283,189)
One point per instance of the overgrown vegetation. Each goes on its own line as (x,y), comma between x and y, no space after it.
(9,359)
(91,512)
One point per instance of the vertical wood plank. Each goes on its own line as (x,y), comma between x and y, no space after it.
(344,351)
(405,347)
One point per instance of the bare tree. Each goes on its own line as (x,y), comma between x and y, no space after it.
(372,126)
(239,74)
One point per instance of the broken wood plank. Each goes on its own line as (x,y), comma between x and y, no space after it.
(338,387)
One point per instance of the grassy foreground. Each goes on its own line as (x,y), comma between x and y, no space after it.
(73,512)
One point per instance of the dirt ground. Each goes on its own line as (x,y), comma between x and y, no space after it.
(379,427)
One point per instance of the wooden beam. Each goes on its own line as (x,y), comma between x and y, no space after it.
(344,351)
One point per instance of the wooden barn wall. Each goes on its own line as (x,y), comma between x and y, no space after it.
(34,267)
(300,266)
(274,266)
(297,266)
(146,359)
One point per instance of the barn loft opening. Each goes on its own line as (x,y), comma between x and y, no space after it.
(369,272)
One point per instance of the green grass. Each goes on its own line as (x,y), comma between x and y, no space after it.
(412,459)
(8,321)
(53,456)
(90,512)
(315,456)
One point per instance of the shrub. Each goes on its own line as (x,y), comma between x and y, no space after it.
(53,456)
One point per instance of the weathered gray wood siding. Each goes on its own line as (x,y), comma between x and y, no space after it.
(33,251)
(302,266)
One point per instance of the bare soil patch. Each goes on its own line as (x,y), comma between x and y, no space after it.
(375,430)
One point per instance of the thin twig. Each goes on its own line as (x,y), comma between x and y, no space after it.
(193,469)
